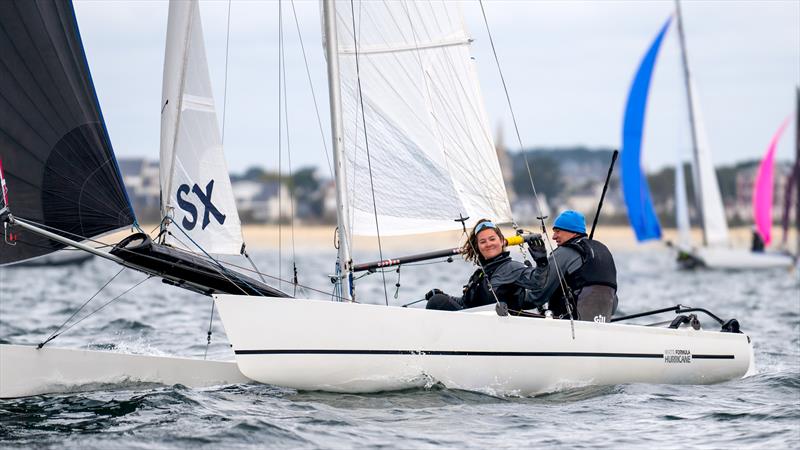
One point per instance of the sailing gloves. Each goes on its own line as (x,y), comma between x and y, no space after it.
(433,292)
(537,249)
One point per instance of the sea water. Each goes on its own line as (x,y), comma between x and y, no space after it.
(761,411)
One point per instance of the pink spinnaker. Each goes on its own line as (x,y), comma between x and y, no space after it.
(762,189)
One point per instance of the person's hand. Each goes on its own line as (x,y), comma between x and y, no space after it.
(433,292)
(537,249)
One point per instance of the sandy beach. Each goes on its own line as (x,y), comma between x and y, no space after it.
(267,237)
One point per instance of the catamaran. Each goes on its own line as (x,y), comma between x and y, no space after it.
(413,152)
(715,251)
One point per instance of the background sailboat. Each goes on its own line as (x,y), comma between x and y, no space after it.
(715,250)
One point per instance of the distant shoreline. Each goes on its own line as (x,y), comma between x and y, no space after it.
(617,237)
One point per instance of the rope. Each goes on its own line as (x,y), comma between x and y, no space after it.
(561,280)
(366,147)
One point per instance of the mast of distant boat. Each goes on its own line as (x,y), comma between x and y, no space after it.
(344,261)
(797,175)
(698,189)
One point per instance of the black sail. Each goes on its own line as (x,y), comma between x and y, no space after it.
(55,152)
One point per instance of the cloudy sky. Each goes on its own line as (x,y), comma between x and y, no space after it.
(568,66)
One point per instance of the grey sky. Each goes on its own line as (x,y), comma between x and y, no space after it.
(568,66)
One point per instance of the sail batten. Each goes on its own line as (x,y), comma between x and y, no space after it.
(427,153)
(57,157)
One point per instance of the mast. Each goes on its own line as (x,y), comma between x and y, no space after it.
(797,174)
(698,189)
(344,261)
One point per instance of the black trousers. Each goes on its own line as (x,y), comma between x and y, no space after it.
(445,302)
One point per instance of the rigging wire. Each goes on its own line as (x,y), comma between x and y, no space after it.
(280,140)
(54,333)
(225,82)
(366,147)
(291,173)
(96,310)
(313,94)
(562,282)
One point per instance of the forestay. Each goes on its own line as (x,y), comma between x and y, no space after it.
(195,186)
(431,154)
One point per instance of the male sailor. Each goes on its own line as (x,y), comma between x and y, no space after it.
(583,267)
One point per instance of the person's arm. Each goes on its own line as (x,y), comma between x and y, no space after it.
(542,281)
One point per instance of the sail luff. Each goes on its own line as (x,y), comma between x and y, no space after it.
(178,40)
(197,195)
(707,194)
(697,185)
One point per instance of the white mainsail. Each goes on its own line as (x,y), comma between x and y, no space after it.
(706,188)
(714,223)
(195,186)
(431,154)
(682,208)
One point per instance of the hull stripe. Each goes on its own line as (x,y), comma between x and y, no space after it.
(467,353)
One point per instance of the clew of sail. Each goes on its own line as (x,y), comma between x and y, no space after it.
(195,187)
(431,154)
(57,157)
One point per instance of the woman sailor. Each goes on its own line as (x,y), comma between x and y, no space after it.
(498,277)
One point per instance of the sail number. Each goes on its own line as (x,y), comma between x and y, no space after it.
(191,210)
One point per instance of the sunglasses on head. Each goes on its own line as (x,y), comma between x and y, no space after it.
(484,225)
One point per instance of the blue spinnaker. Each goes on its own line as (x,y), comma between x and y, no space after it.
(641,213)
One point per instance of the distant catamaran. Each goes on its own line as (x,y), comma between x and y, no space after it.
(715,251)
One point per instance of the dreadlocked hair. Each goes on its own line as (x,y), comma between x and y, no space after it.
(470,248)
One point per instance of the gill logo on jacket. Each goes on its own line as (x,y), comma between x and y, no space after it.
(204,197)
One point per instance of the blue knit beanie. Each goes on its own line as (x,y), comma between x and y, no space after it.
(570,220)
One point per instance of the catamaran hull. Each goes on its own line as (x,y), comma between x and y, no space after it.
(738,259)
(348,347)
(26,370)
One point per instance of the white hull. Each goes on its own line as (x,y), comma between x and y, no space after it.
(740,259)
(348,347)
(26,371)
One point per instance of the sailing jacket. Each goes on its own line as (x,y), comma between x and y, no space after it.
(509,279)
(582,263)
